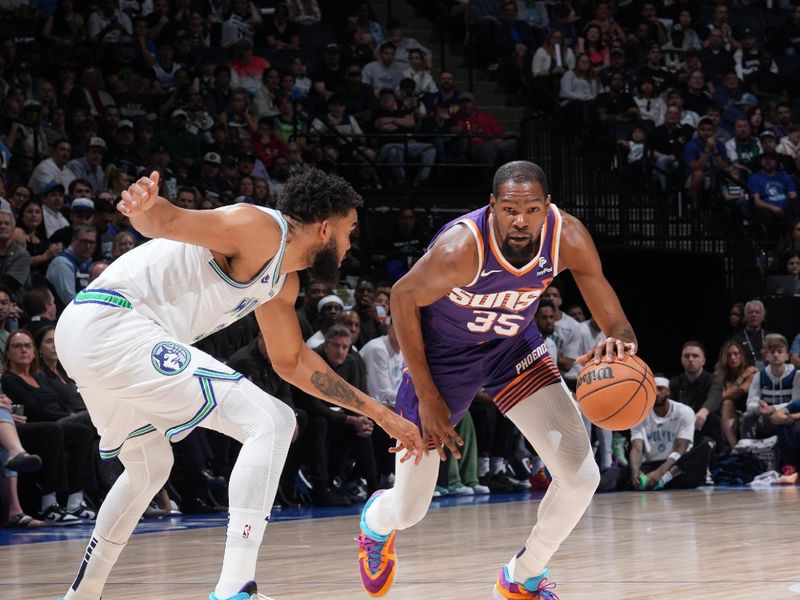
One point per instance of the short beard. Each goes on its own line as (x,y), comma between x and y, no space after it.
(518,257)
(325,265)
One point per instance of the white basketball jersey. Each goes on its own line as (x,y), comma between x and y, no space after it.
(182,288)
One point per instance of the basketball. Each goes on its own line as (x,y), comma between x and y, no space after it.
(616,395)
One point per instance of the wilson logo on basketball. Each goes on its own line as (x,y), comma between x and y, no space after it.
(595,375)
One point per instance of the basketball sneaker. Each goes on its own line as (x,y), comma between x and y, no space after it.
(377,560)
(248,592)
(535,588)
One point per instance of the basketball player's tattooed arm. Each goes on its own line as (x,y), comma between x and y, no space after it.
(579,254)
(226,231)
(302,367)
(451,262)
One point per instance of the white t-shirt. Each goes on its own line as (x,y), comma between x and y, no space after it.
(384,369)
(587,340)
(566,337)
(659,433)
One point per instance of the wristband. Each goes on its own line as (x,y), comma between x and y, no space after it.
(674,456)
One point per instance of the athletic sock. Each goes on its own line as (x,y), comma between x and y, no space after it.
(48,500)
(100,557)
(483,466)
(74,501)
(666,478)
(245,532)
(498,464)
(524,566)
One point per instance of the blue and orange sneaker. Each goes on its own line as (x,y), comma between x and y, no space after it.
(377,560)
(535,588)
(248,592)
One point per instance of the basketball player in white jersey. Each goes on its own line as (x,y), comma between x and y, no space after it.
(125,340)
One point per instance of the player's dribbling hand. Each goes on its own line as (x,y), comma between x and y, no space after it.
(407,436)
(611,348)
(140,196)
(437,430)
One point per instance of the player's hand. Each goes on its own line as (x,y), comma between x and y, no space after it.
(407,436)
(611,348)
(437,430)
(140,196)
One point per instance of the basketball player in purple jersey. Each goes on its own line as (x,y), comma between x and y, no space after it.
(464,319)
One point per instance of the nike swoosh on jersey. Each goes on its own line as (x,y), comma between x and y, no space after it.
(487,273)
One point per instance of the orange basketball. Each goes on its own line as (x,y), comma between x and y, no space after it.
(616,395)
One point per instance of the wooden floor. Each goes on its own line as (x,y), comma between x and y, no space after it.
(699,544)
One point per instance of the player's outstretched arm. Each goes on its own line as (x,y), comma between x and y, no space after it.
(579,254)
(299,365)
(451,262)
(225,230)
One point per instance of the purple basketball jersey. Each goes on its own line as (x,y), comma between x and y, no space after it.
(483,334)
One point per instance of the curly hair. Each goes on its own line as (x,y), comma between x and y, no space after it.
(313,196)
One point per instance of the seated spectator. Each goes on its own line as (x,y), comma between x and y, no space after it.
(15,460)
(716,59)
(348,145)
(39,306)
(616,109)
(25,384)
(765,82)
(264,102)
(417,70)
(404,45)
(790,144)
(384,73)
(633,154)
(30,234)
(304,12)
(54,371)
(308,313)
(15,262)
(551,60)
(388,117)
(660,456)
(667,142)
(786,39)
(781,119)
(506,42)
(742,149)
(579,89)
(705,158)
(291,121)
(108,23)
(736,375)
(302,83)
(651,107)
(241,24)
(5,312)
(329,307)
(53,170)
(774,194)
(371,326)
(178,141)
(447,92)
(700,390)
(696,98)
(448,149)
(481,126)
(17,195)
(281,32)
(736,320)
(688,39)
(752,335)
(772,388)
(327,78)
(591,44)
(68,273)
(368,24)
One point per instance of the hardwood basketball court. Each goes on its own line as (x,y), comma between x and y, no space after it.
(697,544)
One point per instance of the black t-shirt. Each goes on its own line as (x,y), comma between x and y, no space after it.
(716,63)
(661,77)
(249,362)
(767,81)
(285,36)
(399,113)
(330,77)
(42,403)
(699,104)
(615,105)
(670,141)
(112,65)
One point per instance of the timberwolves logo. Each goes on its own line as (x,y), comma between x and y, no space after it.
(170,358)
(245,306)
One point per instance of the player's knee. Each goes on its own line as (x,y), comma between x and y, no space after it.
(580,480)
(275,429)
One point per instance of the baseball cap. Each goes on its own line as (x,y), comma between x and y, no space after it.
(53,186)
(332,48)
(466,96)
(747,100)
(124,124)
(748,31)
(125,39)
(704,120)
(31,104)
(180,113)
(212,157)
(97,142)
(82,204)
(768,134)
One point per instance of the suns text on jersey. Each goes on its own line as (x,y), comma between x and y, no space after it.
(512,300)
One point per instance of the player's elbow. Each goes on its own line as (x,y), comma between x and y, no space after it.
(286,366)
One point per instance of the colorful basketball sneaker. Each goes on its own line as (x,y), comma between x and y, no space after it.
(535,588)
(248,592)
(377,560)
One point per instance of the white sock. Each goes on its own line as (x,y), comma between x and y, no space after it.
(497,464)
(666,478)
(483,466)
(74,501)
(48,500)
(245,532)
(522,567)
(100,557)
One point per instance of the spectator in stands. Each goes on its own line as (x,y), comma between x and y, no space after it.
(326,79)
(579,89)
(735,319)
(736,375)
(6,306)
(782,118)
(307,313)
(65,27)
(249,68)
(447,92)
(790,144)
(123,242)
(24,383)
(304,12)
(696,97)
(30,234)
(616,109)
(566,334)
(651,107)
(660,456)
(178,141)
(765,82)
(17,195)
(551,60)
(510,45)
(108,23)
(40,307)
(545,319)
(53,202)
(769,143)
(281,32)
(667,142)
(742,149)
(772,388)
(368,24)
(53,169)
(384,73)
(404,45)
(371,326)
(15,270)
(591,43)
(794,352)
(388,117)
(54,371)
(481,126)
(752,335)
(241,24)
(786,39)
(68,273)
(264,102)
(774,194)
(700,390)
(329,307)
(705,158)
(420,73)
(440,121)
(89,167)
(355,51)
